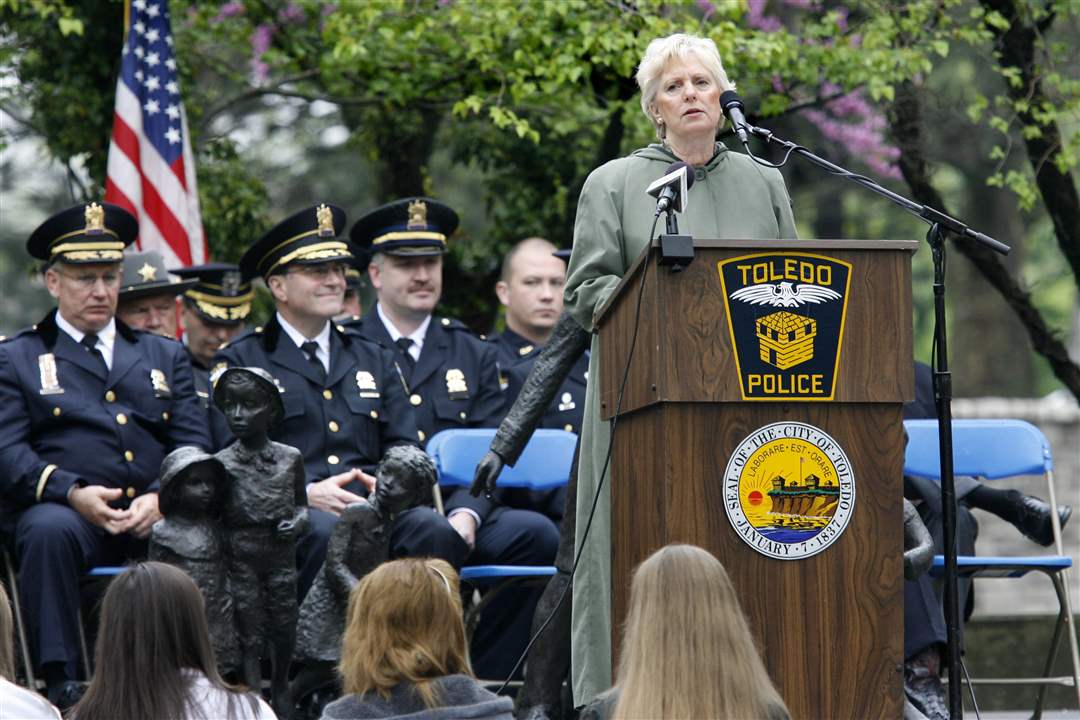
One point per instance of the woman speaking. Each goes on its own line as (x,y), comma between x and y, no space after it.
(681,78)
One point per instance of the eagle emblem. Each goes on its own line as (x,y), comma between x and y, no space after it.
(784,294)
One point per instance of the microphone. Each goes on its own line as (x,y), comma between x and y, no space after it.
(671,189)
(733,107)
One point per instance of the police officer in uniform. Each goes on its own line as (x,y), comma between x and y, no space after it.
(147,298)
(452,380)
(530,288)
(344,400)
(213,313)
(88,409)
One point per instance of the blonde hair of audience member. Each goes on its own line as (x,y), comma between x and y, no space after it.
(663,50)
(687,651)
(404,625)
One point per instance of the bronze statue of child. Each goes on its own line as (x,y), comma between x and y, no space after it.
(265,512)
(359,543)
(193,486)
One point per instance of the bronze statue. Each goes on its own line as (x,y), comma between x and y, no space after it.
(265,512)
(549,659)
(359,543)
(193,487)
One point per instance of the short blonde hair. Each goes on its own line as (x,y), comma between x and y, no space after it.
(687,650)
(404,624)
(657,56)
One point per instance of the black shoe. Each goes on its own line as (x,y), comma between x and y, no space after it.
(925,692)
(64,695)
(1034,519)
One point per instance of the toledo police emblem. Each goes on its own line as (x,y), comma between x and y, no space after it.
(786,318)
(788,490)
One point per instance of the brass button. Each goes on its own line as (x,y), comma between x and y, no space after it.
(129,456)
(327,394)
(374,414)
(415,399)
(121,419)
(333,426)
(110,396)
(56,411)
(568,427)
(420,434)
(461,414)
(165,416)
(333,459)
(131,492)
(445,322)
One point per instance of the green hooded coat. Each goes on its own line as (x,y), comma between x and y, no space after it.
(731,198)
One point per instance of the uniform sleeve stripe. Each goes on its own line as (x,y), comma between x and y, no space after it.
(45,475)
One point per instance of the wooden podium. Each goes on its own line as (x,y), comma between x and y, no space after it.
(770,375)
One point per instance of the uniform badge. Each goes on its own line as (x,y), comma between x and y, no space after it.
(230,283)
(566,402)
(216,371)
(50,384)
(161,388)
(365,383)
(525,350)
(94,215)
(417,215)
(325,218)
(455,385)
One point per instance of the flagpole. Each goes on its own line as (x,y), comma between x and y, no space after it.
(127,18)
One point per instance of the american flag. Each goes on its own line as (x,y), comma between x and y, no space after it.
(151,171)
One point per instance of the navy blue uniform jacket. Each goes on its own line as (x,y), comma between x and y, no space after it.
(440,396)
(64,422)
(346,422)
(516,357)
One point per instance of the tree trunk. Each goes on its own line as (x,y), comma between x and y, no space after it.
(904,121)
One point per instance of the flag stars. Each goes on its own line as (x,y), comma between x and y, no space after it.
(153,11)
(152,107)
(153,59)
(173,112)
(152,35)
(172,135)
(171,64)
(139,5)
(139,75)
(139,52)
(168,40)
(139,27)
(172,87)
(152,83)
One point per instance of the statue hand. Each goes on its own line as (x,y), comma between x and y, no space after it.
(487,472)
(918,543)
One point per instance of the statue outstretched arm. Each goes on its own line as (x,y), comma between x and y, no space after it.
(918,543)
(552,366)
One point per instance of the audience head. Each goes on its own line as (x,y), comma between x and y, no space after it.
(531,288)
(404,625)
(153,629)
(215,308)
(687,650)
(147,299)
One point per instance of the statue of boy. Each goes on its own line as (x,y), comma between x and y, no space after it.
(265,512)
(359,543)
(193,487)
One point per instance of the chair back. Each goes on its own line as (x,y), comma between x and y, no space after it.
(989,449)
(544,464)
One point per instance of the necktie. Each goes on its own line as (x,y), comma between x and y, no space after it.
(310,348)
(89,341)
(404,344)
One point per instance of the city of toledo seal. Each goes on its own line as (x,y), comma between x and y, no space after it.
(786,314)
(789,491)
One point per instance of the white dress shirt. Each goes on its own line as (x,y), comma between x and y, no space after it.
(417,336)
(106,337)
(322,340)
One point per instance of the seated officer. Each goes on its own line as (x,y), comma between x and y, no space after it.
(344,402)
(355,286)
(531,290)
(213,313)
(147,299)
(452,382)
(88,409)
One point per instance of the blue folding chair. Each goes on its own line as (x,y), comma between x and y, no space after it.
(992,450)
(543,465)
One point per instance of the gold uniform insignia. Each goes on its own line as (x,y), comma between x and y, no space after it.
(161,388)
(525,350)
(566,402)
(95,219)
(325,218)
(148,272)
(50,384)
(365,384)
(417,215)
(455,384)
(216,371)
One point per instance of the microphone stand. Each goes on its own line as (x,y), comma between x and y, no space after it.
(676,250)
(940,225)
